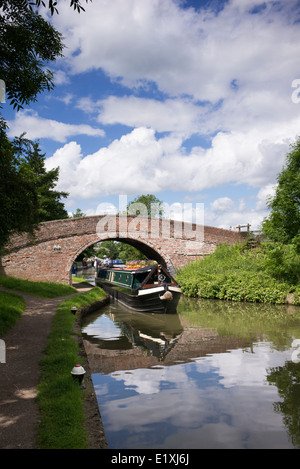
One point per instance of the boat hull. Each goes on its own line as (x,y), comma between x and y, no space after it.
(146,300)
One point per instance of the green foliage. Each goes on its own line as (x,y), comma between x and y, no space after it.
(19,200)
(109,249)
(78,214)
(283,223)
(28,194)
(129,253)
(76,4)
(146,205)
(238,274)
(283,262)
(31,163)
(117,250)
(27,43)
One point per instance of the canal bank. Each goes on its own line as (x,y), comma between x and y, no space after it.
(93,422)
(25,347)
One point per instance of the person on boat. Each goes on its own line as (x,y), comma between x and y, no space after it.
(106,261)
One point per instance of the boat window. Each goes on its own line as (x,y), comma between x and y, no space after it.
(157,278)
(122,277)
(139,279)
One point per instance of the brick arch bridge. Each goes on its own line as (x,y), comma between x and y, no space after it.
(49,255)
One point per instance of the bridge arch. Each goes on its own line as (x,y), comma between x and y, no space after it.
(149,251)
(49,255)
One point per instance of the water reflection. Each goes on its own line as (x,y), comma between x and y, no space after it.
(149,337)
(88,274)
(216,375)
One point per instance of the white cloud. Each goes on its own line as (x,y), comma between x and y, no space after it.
(123,166)
(224,212)
(240,64)
(68,159)
(104,208)
(223,204)
(139,161)
(38,127)
(67,99)
(235,217)
(172,115)
(263,194)
(61,77)
(183,51)
(226,76)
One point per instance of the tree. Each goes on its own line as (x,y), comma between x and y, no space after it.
(130,253)
(28,194)
(76,4)
(283,223)
(118,250)
(31,162)
(19,200)
(27,44)
(108,248)
(78,214)
(146,205)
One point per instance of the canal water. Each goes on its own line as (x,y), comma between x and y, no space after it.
(215,375)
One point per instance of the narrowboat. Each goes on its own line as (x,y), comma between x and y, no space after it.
(149,289)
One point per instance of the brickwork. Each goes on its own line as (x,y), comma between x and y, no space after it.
(49,256)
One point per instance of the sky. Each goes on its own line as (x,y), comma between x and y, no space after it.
(195,102)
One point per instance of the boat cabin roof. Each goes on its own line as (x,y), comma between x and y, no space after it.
(135,278)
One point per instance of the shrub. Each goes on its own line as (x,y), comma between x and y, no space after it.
(238,274)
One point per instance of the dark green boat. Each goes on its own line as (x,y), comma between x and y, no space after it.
(148,289)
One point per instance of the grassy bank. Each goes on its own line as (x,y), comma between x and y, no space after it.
(266,274)
(40,289)
(60,398)
(11,308)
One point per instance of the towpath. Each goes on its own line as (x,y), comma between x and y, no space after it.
(20,374)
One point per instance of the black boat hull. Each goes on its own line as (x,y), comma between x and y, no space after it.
(146,301)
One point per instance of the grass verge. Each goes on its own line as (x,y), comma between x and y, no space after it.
(60,398)
(40,289)
(11,308)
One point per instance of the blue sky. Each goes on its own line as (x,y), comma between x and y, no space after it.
(189,100)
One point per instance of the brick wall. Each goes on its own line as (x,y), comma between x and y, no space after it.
(56,244)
